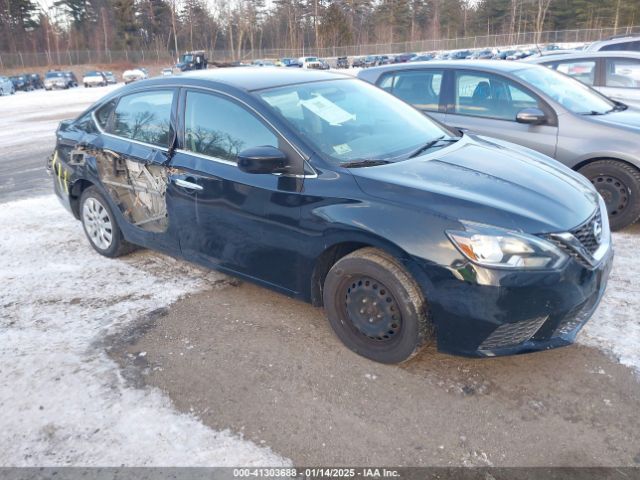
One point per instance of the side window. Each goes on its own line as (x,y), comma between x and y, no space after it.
(218,127)
(486,95)
(622,72)
(420,88)
(145,117)
(103,114)
(582,70)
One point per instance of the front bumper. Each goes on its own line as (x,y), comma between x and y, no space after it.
(488,312)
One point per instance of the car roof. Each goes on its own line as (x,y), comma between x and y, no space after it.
(496,66)
(486,65)
(583,54)
(259,78)
(613,41)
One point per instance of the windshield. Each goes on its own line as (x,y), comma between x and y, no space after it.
(54,74)
(350,120)
(568,92)
(187,58)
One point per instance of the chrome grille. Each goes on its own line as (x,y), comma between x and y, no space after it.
(511,334)
(585,233)
(571,252)
(581,243)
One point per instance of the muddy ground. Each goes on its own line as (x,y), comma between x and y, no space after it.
(258,363)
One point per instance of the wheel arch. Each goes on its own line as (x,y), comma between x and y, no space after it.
(584,163)
(339,249)
(75,193)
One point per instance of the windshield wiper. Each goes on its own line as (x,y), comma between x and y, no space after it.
(364,163)
(431,144)
(593,112)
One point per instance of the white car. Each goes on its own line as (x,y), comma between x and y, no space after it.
(94,79)
(134,74)
(309,62)
(6,86)
(167,71)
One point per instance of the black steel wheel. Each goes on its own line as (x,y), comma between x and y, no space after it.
(619,185)
(375,307)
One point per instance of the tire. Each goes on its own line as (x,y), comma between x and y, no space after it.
(100,225)
(619,185)
(399,325)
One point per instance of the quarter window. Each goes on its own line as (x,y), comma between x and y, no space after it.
(220,128)
(623,72)
(103,114)
(145,117)
(582,70)
(490,96)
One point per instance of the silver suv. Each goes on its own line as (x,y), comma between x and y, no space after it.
(532,106)
(617,44)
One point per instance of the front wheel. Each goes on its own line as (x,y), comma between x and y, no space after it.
(619,185)
(100,225)
(375,306)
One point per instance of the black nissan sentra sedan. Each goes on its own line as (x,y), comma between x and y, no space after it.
(327,189)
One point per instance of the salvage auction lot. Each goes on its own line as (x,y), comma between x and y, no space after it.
(99,357)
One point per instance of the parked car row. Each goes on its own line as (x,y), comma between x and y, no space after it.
(54,80)
(22,82)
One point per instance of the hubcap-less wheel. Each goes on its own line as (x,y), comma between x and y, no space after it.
(613,191)
(97,223)
(372,309)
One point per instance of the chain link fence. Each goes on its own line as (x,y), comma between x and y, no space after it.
(93,57)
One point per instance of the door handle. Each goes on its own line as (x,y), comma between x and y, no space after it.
(184,184)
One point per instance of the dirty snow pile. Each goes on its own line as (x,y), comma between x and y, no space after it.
(615,327)
(63,401)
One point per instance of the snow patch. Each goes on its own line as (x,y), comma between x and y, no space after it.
(63,399)
(615,327)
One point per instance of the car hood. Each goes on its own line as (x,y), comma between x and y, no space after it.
(629,118)
(486,181)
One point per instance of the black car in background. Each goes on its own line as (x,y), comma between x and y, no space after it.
(21,82)
(358,62)
(36,80)
(330,190)
(342,62)
(71,78)
(403,57)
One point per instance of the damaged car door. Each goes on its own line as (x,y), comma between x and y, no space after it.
(133,152)
(229,218)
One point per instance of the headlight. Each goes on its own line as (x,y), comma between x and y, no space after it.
(499,248)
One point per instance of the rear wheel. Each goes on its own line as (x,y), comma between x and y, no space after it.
(375,307)
(100,225)
(619,185)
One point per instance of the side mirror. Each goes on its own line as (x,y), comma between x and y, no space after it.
(532,116)
(265,159)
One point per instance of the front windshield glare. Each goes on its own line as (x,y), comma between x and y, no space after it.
(350,120)
(568,92)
